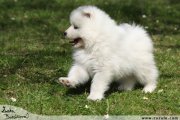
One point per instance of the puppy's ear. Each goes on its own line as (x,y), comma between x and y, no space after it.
(88,15)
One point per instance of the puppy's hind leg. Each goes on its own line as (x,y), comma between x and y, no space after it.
(127,84)
(148,77)
(77,75)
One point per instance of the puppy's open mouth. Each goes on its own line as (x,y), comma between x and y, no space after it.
(75,41)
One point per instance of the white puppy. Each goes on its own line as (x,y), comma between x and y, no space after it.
(106,52)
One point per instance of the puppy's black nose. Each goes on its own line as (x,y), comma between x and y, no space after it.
(65,33)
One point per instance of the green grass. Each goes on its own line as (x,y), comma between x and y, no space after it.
(33,54)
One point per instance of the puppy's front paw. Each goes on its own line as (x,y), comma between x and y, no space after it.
(66,82)
(149,88)
(95,97)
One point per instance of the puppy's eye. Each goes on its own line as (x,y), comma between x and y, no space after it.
(75,27)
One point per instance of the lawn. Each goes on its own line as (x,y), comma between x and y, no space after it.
(34,54)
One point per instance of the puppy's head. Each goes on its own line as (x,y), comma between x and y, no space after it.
(84,26)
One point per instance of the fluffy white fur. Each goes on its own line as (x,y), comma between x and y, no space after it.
(109,52)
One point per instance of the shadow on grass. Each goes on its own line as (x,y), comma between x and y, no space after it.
(80,89)
(86,88)
(113,86)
